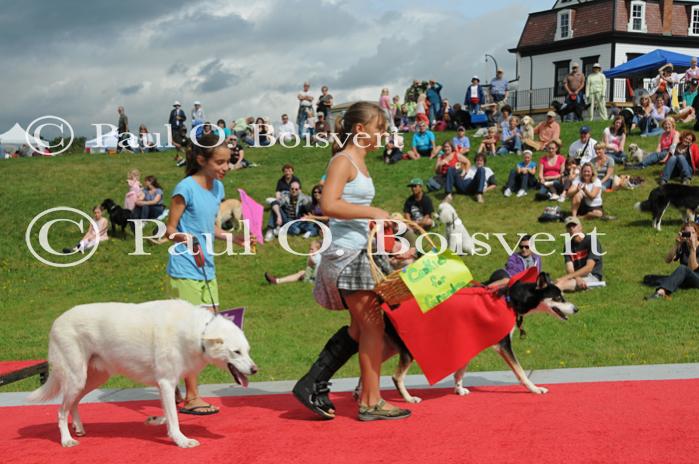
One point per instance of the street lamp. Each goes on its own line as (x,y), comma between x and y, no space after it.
(495,62)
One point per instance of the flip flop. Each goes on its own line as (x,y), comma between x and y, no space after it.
(198,410)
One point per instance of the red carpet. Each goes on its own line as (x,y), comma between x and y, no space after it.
(11,366)
(612,422)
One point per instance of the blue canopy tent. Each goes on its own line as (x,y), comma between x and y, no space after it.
(649,64)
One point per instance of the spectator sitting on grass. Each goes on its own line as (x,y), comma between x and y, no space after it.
(287,130)
(474,180)
(583,149)
(547,131)
(584,263)
(391,153)
(586,194)
(614,137)
(522,176)
(149,205)
(423,144)
(604,165)
(684,161)
(686,251)
(669,140)
(516,263)
(284,182)
(551,172)
(571,171)
(322,128)
(511,137)
(290,207)
(305,275)
(461,143)
(418,206)
(93,235)
(490,142)
(448,157)
(237,160)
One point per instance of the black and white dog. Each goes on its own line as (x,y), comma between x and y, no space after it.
(683,197)
(524,298)
(118,216)
(563,109)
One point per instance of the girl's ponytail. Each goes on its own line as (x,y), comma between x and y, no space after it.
(359,113)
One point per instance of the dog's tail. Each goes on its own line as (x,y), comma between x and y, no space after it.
(47,391)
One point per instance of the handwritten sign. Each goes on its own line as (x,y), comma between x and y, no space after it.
(434,277)
(235,314)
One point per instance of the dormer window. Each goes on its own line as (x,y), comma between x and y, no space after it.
(637,17)
(694,21)
(564,27)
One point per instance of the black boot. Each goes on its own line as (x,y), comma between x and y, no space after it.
(313,388)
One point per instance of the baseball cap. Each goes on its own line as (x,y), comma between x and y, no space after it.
(585,130)
(415,181)
(475,78)
(552,114)
(177,103)
(197,102)
(572,220)
(461,128)
(596,65)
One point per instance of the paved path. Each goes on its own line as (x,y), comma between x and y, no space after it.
(543,377)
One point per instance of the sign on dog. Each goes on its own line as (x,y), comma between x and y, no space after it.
(235,315)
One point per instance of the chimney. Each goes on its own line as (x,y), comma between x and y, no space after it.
(667,16)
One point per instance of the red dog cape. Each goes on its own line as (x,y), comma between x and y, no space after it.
(448,336)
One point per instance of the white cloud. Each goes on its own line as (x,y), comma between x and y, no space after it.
(243,58)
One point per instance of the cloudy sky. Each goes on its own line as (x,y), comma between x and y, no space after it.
(80,60)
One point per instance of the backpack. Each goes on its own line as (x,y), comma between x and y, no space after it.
(551,214)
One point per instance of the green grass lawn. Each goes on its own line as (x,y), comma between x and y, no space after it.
(285,326)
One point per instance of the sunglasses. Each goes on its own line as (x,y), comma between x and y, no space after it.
(524,247)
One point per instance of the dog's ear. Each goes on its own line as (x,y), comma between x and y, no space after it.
(544,280)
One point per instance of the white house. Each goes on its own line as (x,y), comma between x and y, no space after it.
(609,32)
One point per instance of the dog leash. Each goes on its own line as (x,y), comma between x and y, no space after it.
(200,261)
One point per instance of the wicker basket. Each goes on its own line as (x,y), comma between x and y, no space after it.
(391,287)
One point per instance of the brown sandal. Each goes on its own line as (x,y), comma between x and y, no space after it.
(376,412)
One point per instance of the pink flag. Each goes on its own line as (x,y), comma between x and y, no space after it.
(253,212)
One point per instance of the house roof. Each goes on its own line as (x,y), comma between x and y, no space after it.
(598,21)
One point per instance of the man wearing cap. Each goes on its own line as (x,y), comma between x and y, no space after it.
(574,85)
(595,91)
(583,149)
(547,131)
(461,142)
(474,95)
(423,144)
(499,89)
(418,206)
(583,261)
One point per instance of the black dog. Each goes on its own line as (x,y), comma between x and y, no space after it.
(118,216)
(524,298)
(683,197)
(563,109)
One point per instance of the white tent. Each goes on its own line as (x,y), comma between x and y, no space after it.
(18,136)
(108,141)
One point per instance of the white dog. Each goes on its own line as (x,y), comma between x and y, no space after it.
(459,239)
(155,343)
(636,153)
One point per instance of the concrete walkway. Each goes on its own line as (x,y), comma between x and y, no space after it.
(475,379)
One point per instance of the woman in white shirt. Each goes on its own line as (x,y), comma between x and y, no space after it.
(586,194)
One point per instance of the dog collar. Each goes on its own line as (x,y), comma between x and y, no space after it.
(203,348)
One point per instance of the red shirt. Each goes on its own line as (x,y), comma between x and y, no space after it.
(551,170)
